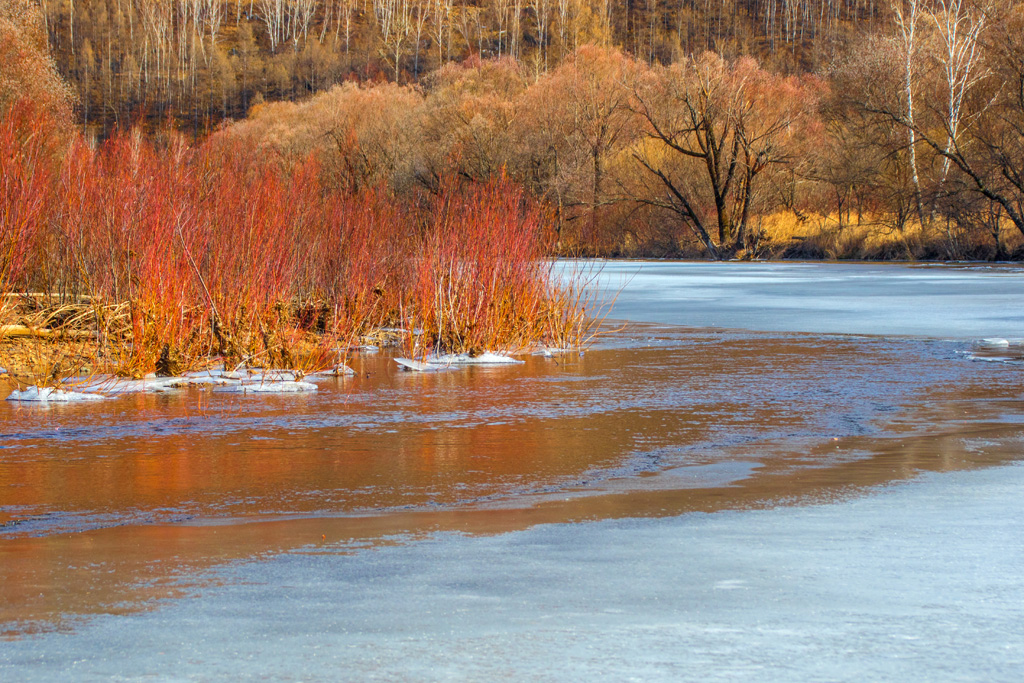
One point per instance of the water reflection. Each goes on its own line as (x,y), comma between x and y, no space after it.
(107,506)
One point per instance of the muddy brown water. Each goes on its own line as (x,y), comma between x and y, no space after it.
(107,508)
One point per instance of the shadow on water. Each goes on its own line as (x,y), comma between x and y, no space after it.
(107,507)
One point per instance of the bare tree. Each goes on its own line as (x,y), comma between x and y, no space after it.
(906,23)
(394,17)
(422,12)
(272,13)
(300,17)
(542,19)
(588,121)
(713,128)
(958,29)
(441,27)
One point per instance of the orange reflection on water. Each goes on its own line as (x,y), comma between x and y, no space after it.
(108,506)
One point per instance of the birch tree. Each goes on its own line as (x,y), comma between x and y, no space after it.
(907,20)
(958,29)
(272,13)
(394,18)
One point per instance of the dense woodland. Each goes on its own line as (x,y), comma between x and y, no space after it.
(815,128)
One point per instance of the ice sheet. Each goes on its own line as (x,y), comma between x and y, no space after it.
(917,582)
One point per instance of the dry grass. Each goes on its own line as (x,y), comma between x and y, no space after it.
(787,235)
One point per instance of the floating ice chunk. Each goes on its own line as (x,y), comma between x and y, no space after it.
(552,351)
(1013,360)
(205,377)
(282,387)
(118,386)
(232,377)
(337,371)
(486,358)
(51,395)
(272,375)
(444,361)
(410,365)
(994,342)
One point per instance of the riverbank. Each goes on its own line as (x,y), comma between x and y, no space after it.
(789,236)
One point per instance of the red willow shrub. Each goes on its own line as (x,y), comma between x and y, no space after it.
(26,184)
(480,279)
(192,255)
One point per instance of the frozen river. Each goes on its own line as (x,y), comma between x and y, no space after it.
(729,488)
(929,300)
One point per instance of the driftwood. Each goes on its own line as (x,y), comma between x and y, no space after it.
(22,331)
(49,295)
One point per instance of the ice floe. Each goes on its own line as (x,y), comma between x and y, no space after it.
(52,395)
(998,350)
(238,381)
(262,375)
